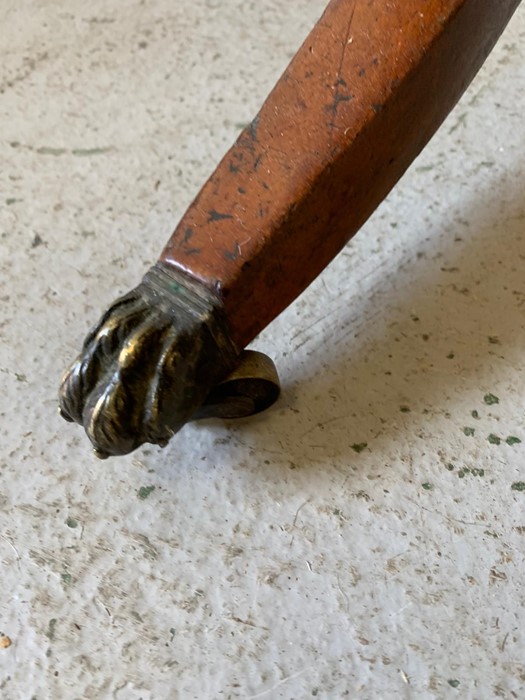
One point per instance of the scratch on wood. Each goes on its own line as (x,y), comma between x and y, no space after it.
(339,80)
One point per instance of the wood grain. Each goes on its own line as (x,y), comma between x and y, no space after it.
(361,98)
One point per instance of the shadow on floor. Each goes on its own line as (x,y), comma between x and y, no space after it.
(385,368)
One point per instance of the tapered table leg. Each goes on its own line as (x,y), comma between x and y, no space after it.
(361,98)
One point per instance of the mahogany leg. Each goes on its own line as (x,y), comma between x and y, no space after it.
(360,99)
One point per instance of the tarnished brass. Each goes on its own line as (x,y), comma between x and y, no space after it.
(148,365)
(251,388)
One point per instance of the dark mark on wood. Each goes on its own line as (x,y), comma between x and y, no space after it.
(188,233)
(234,254)
(342,98)
(215,215)
(252,128)
(340,82)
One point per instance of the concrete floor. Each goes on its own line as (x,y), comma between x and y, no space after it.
(363,539)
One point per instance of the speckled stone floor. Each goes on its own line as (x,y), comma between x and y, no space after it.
(363,539)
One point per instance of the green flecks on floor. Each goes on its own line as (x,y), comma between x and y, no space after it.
(427,486)
(460,122)
(490,399)
(404,409)
(66,579)
(474,414)
(50,632)
(492,437)
(90,151)
(47,151)
(449,466)
(462,473)
(513,440)
(359,446)
(71,522)
(518,486)
(493,340)
(453,682)
(144,492)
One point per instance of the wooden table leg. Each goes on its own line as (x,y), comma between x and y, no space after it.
(361,98)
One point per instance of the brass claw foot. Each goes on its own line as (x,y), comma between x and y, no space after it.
(157,359)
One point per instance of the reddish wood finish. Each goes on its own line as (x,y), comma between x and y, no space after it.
(361,98)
